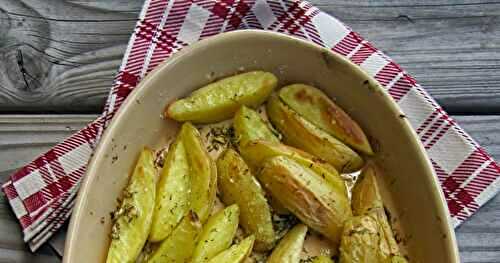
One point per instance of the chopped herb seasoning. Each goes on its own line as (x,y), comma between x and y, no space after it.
(282,223)
(160,157)
(221,137)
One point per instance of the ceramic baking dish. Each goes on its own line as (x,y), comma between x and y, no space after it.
(410,187)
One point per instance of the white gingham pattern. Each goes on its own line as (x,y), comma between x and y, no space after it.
(42,193)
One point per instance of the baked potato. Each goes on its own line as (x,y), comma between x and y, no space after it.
(365,241)
(219,100)
(290,246)
(322,259)
(132,220)
(203,172)
(174,191)
(256,152)
(316,107)
(300,133)
(366,193)
(179,246)
(304,193)
(367,204)
(217,234)
(249,125)
(237,185)
(237,253)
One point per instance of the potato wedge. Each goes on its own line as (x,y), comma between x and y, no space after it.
(316,203)
(173,191)
(364,241)
(302,134)
(360,241)
(238,186)
(219,100)
(256,152)
(237,253)
(217,234)
(248,126)
(203,172)
(315,106)
(322,259)
(135,213)
(179,246)
(289,248)
(367,201)
(366,193)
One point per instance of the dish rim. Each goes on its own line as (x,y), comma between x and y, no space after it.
(106,137)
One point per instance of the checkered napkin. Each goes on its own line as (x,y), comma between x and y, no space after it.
(43,192)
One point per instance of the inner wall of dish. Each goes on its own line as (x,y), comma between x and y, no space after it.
(139,124)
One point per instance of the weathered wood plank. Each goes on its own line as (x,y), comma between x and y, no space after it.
(22,138)
(451,47)
(71,54)
(10,256)
(29,135)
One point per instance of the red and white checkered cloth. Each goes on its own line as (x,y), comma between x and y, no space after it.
(43,192)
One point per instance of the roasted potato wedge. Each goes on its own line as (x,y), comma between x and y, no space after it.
(203,172)
(237,253)
(366,193)
(360,242)
(179,246)
(367,201)
(315,202)
(322,259)
(238,186)
(365,241)
(315,106)
(300,133)
(219,100)
(249,125)
(217,234)
(173,191)
(289,248)
(135,213)
(256,152)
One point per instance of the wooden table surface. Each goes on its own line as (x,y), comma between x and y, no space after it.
(58,59)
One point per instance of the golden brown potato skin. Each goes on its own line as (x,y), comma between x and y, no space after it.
(308,196)
(289,248)
(219,100)
(237,185)
(302,134)
(366,193)
(256,152)
(315,106)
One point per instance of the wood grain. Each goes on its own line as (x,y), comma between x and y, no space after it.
(22,138)
(451,47)
(60,56)
(26,136)
(72,49)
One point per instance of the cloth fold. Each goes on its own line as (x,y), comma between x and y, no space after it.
(43,192)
